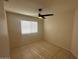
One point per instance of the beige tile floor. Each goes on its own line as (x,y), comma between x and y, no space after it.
(40,50)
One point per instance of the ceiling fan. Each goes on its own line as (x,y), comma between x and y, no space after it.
(43,16)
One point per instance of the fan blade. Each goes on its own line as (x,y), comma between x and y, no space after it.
(48,15)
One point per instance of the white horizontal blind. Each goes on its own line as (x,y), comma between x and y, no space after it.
(29,27)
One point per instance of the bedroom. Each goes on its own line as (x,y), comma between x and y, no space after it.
(52,34)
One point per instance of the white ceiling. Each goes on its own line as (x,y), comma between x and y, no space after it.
(30,7)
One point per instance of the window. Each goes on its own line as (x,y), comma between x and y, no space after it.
(29,27)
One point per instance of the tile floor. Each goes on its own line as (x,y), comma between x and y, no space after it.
(40,50)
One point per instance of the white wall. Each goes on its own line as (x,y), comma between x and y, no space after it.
(14,26)
(58,29)
(4,41)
